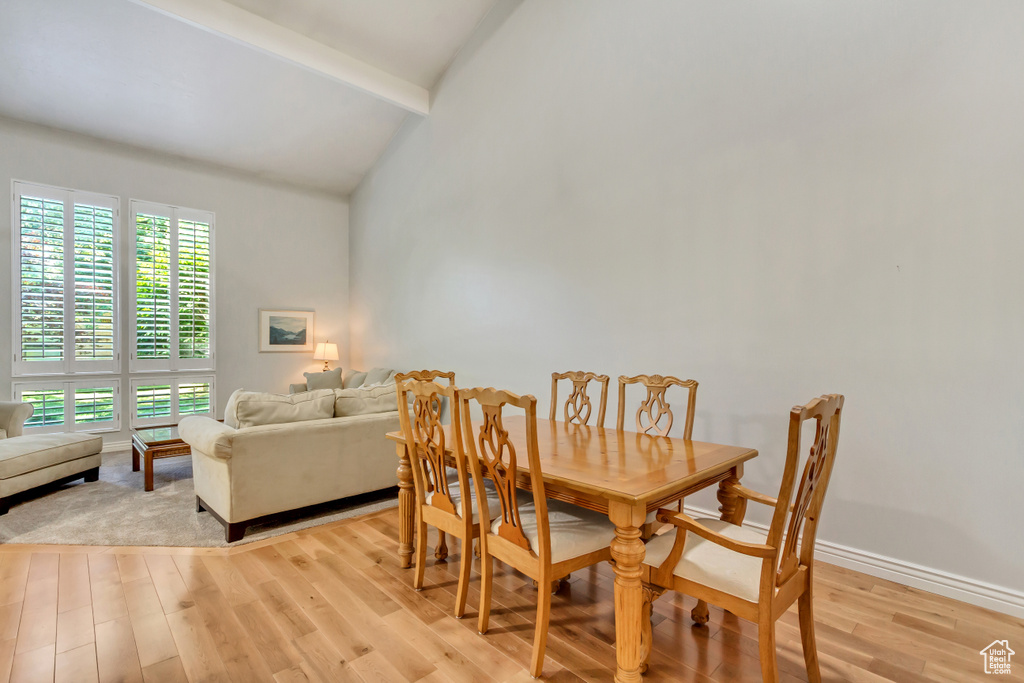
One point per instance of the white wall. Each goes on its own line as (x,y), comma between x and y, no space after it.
(276,247)
(777,199)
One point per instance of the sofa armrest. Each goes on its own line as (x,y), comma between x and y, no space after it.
(208,436)
(13,415)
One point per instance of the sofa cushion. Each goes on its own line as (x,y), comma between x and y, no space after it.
(329,379)
(34,452)
(378,376)
(365,400)
(252,408)
(353,379)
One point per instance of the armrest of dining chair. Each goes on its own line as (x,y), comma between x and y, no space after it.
(750,494)
(687,523)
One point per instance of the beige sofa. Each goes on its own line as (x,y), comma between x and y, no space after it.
(275,453)
(29,461)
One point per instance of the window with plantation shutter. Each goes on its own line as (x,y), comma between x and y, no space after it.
(163,400)
(65,281)
(92,405)
(172,323)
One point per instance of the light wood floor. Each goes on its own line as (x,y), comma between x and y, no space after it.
(331,604)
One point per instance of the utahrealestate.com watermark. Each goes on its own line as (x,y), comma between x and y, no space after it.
(997,657)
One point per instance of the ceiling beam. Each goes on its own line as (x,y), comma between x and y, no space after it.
(225,19)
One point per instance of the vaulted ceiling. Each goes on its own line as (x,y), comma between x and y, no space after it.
(308,92)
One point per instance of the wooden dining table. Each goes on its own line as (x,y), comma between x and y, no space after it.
(624,475)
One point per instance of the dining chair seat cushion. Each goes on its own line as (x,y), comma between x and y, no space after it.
(575,531)
(707,563)
(493,504)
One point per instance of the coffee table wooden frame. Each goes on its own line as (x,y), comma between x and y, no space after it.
(148,451)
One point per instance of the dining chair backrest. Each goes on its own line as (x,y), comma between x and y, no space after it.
(653,408)
(577,408)
(802,524)
(426,376)
(491,454)
(428,444)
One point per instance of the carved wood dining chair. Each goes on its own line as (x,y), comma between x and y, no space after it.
(441,550)
(440,501)
(543,539)
(738,569)
(578,408)
(652,410)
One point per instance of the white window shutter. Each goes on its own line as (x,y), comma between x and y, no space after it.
(65,281)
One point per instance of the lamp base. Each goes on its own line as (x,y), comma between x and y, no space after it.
(327,366)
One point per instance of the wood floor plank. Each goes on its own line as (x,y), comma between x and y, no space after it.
(33,666)
(6,658)
(153,638)
(10,620)
(75,629)
(73,588)
(170,587)
(196,648)
(38,628)
(277,650)
(41,590)
(167,671)
(242,660)
(323,659)
(141,598)
(105,583)
(77,665)
(117,657)
(231,582)
(131,567)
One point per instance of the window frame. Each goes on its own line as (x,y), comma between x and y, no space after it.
(68,386)
(68,365)
(175,363)
(174,381)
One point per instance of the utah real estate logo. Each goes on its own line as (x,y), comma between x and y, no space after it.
(997,657)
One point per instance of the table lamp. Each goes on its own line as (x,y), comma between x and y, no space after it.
(326,352)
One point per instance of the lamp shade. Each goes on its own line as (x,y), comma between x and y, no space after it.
(326,351)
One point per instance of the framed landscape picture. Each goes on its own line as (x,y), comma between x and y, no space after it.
(286,331)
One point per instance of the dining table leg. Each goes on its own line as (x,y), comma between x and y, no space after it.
(406,507)
(628,552)
(733,509)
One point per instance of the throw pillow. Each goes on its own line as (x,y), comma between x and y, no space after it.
(378,376)
(353,379)
(366,400)
(3,433)
(331,379)
(254,408)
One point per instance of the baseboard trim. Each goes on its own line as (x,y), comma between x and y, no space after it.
(111,446)
(972,591)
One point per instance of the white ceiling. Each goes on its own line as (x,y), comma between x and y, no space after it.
(412,39)
(123,71)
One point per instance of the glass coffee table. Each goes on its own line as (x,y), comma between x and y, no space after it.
(152,443)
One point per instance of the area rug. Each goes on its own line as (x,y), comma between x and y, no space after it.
(117,511)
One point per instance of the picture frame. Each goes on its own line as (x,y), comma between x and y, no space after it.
(284,331)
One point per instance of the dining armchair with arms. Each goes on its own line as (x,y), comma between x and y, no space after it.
(577,408)
(442,501)
(738,569)
(441,550)
(544,539)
